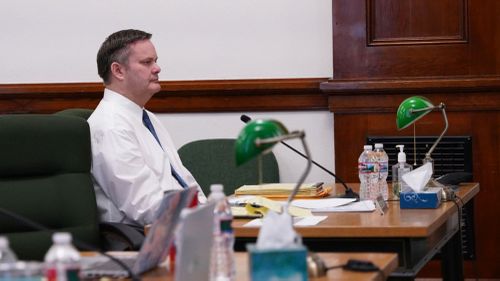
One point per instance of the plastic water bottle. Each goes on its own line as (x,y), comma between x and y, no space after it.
(6,253)
(222,267)
(383,169)
(62,261)
(368,176)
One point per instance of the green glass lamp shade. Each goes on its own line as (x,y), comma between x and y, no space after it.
(246,147)
(406,114)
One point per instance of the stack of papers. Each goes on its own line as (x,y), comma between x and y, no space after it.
(283,190)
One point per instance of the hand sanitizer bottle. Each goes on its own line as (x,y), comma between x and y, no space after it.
(398,170)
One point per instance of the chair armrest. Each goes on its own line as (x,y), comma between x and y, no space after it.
(120,237)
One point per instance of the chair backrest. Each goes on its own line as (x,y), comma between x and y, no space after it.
(76,112)
(45,177)
(213,161)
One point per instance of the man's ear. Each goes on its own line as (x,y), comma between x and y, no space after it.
(117,70)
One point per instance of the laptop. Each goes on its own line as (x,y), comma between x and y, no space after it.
(194,243)
(155,247)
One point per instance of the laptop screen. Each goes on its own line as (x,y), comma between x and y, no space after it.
(156,246)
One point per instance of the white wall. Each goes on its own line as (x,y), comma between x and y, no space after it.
(57,41)
(316,124)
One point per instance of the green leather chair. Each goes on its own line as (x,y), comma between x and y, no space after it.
(76,112)
(45,178)
(213,161)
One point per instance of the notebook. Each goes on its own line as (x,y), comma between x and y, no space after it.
(194,243)
(155,248)
(283,190)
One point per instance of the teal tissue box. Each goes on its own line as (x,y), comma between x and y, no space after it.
(277,264)
(427,199)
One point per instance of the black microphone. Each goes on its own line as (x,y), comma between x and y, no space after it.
(349,193)
(80,244)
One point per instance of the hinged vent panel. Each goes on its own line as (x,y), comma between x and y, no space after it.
(452,154)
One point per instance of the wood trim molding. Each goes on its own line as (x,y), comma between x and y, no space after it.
(176,96)
(385,95)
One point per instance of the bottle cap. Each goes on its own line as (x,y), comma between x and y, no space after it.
(61,237)
(216,188)
(368,146)
(379,145)
(401,154)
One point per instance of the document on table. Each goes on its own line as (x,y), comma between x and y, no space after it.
(307,221)
(258,204)
(336,205)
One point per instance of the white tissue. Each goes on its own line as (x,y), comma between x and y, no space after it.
(418,178)
(277,232)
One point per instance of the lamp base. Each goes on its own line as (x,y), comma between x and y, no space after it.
(447,193)
(349,193)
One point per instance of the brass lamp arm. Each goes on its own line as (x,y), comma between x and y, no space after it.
(441,106)
(304,174)
(292,135)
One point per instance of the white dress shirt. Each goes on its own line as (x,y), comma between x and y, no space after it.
(131,171)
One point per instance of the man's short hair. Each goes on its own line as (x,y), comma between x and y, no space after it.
(116,49)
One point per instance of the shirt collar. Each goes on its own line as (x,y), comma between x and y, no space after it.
(116,98)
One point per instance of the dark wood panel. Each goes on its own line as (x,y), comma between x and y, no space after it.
(447,50)
(360,112)
(176,96)
(354,57)
(392,22)
(352,129)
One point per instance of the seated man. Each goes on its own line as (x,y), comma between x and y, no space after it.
(134,161)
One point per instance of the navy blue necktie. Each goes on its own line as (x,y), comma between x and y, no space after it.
(147,122)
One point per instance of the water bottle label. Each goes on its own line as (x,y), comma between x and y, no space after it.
(367,167)
(383,167)
(51,274)
(73,274)
(225,226)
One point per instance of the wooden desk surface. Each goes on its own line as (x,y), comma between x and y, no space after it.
(387,262)
(395,223)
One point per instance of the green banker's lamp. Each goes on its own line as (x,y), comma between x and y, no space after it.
(259,137)
(414,108)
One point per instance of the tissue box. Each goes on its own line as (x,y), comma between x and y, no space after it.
(427,199)
(277,264)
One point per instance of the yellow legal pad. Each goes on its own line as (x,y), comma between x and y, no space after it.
(258,206)
(283,190)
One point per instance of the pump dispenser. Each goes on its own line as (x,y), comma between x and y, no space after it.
(398,170)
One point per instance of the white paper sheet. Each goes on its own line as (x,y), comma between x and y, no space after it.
(361,206)
(307,221)
(313,204)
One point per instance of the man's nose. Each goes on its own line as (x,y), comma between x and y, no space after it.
(156,68)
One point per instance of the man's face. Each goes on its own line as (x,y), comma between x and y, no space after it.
(141,71)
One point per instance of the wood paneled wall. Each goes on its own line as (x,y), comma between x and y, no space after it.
(447,50)
(176,96)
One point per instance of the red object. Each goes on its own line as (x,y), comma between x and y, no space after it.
(171,256)
(51,274)
(194,202)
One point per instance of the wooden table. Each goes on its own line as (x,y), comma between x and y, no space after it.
(387,262)
(415,234)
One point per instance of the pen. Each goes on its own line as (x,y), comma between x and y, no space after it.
(318,184)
